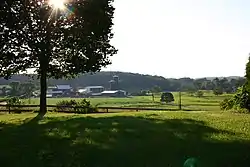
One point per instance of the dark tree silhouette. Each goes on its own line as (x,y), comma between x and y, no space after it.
(55,42)
(248,75)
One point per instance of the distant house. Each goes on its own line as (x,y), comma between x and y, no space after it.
(114,93)
(59,90)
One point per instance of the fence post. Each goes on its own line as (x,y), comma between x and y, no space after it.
(107,110)
(9,108)
(180,108)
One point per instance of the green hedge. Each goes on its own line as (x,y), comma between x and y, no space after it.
(73,106)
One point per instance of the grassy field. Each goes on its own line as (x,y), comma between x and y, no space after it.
(145,139)
(207,103)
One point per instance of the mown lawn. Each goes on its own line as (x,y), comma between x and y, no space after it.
(147,139)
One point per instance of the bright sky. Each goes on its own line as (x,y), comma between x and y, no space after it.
(182,38)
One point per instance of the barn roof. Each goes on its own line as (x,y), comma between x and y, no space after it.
(63,87)
(97,87)
(112,91)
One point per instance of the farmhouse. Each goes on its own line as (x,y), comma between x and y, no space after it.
(59,90)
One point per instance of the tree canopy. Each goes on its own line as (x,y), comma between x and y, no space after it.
(56,42)
(248,76)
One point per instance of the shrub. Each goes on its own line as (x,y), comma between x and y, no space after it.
(240,102)
(242,110)
(14,101)
(218,91)
(83,106)
(227,104)
(167,97)
(199,93)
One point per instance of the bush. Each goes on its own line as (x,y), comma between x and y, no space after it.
(167,97)
(14,101)
(240,102)
(83,106)
(218,91)
(242,110)
(199,93)
(227,104)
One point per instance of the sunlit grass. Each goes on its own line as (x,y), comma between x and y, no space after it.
(125,139)
(209,102)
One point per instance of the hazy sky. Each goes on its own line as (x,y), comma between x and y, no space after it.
(182,38)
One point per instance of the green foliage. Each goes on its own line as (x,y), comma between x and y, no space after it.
(14,101)
(4,91)
(24,89)
(56,43)
(27,89)
(239,102)
(167,97)
(242,99)
(156,89)
(15,88)
(82,106)
(247,84)
(199,93)
(82,40)
(227,104)
(218,91)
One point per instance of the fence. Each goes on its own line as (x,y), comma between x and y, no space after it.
(32,108)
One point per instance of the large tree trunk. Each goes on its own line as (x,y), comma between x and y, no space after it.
(43,91)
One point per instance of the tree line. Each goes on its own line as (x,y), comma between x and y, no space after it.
(137,83)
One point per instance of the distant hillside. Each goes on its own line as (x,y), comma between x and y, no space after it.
(131,82)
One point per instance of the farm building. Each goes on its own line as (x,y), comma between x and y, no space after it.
(91,90)
(64,88)
(59,90)
(114,93)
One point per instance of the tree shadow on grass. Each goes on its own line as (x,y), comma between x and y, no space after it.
(117,141)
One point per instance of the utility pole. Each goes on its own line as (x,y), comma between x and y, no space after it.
(180,107)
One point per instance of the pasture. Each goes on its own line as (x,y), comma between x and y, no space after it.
(132,139)
(208,102)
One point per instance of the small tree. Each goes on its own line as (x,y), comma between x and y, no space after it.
(241,100)
(4,91)
(218,91)
(56,41)
(15,88)
(27,89)
(247,83)
(199,93)
(167,97)
(156,89)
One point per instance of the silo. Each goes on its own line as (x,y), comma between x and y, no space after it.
(116,79)
(112,85)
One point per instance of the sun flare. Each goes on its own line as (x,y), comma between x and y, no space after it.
(57,4)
